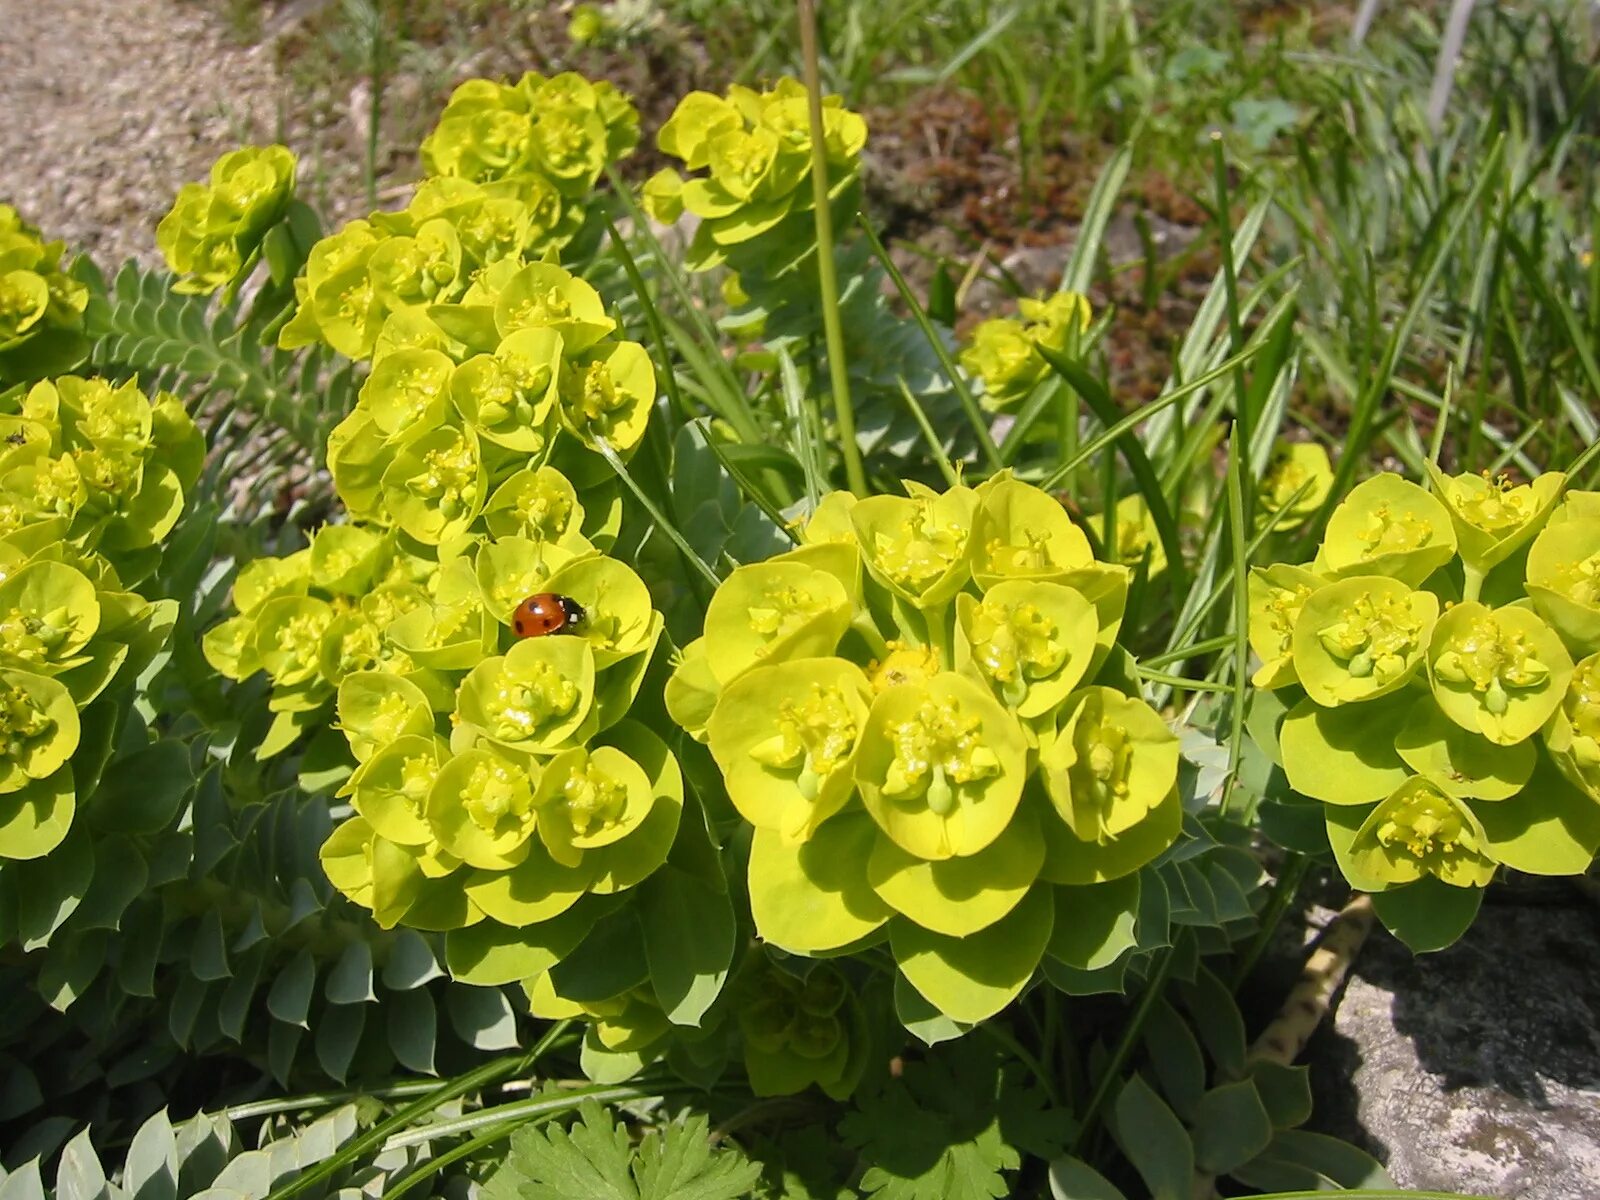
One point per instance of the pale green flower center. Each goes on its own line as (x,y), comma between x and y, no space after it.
(1374,636)
(1387,532)
(417,774)
(920,551)
(1030,556)
(1105,761)
(562,140)
(447,478)
(496,799)
(744,159)
(544,510)
(937,749)
(1494,505)
(1016,645)
(23,723)
(1583,701)
(413,389)
(1493,661)
(595,394)
(502,393)
(1579,581)
(1281,611)
(593,800)
(815,736)
(549,307)
(55,486)
(32,637)
(355,301)
(360,647)
(104,419)
(106,474)
(1429,829)
(536,696)
(23,299)
(300,637)
(782,611)
(1283,482)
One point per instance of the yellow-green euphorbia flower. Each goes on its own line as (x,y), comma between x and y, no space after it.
(785,737)
(1296,483)
(214,228)
(1004,352)
(916,546)
(1499,672)
(768,612)
(1421,830)
(375,708)
(536,699)
(1032,643)
(941,766)
(1573,735)
(1494,518)
(1136,532)
(1361,638)
(39,729)
(1021,533)
(1277,594)
(587,799)
(1387,526)
(1110,764)
(1564,576)
(390,788)
(481,809)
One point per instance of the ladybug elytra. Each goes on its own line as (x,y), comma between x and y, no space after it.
(546,613)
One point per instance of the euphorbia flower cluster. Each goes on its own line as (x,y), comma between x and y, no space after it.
(494,781)
(93,477)
(41,306)
(755,149)
(1440,671)
(908,709)
(214,230)
(1004,351)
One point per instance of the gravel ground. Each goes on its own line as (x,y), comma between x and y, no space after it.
(110,105)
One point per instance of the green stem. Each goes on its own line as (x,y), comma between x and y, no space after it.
(1237,449)
(1472,585)
(609,453)
(652,318)
(1283,894)
(464,1085)
(1112,1074)
(828,282)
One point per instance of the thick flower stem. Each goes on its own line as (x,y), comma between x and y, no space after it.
(1283,1040)
(827,278)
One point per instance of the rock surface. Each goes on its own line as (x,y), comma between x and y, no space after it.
(1476,1069)
(111,104)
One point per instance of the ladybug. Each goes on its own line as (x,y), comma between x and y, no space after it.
(546,613)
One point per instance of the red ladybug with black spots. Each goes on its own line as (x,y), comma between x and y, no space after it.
(547,613)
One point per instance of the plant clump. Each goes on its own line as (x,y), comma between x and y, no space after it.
(93,477)
(1435,687)
(917,713)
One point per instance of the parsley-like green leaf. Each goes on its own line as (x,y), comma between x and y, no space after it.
(949,1127)
(595,1159)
